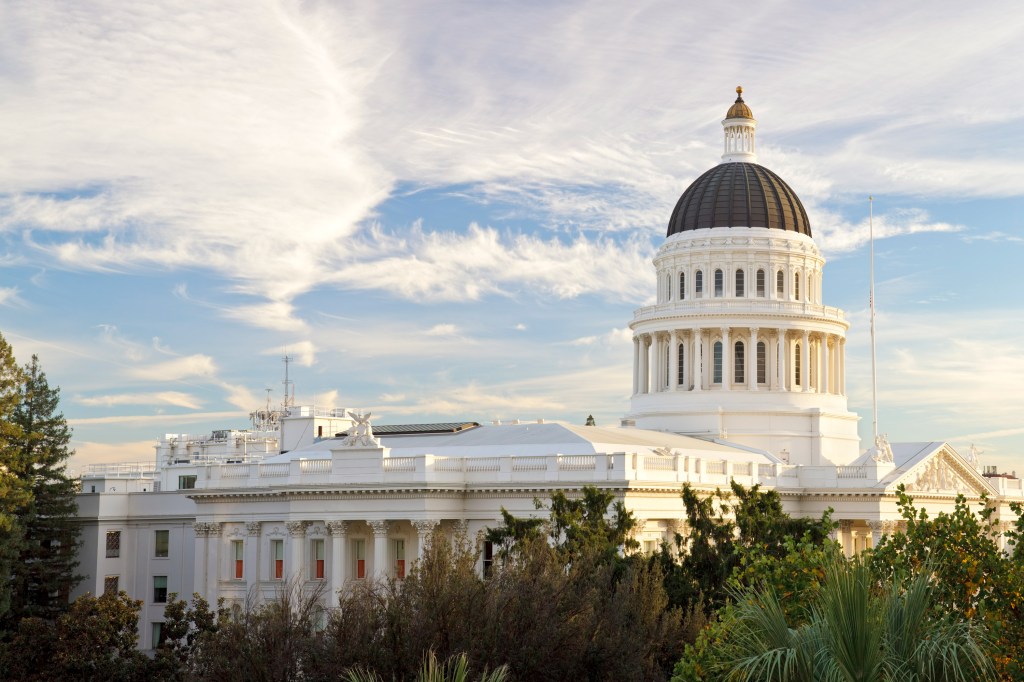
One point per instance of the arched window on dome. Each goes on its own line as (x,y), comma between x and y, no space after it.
(796,365)
(740,284)
(780,284)
(762,363)
(682,286)
(698,284)
(680,379)
(716,372)
(759,283)
(719,284)
(737,365)
(796,286)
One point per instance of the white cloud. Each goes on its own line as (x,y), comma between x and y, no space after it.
(175,398)
(9,296)
(197,365)
(442,330)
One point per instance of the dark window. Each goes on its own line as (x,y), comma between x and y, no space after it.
(740,284)
(682,364)
(698,284)
(488,558)
(737,370)
(162,543)
(762,359)
(318,559)
(159,589)
(682,286)
(760,283)
(113,543)
(716,376)
(158,634)
(719,283)
(110,584)
(189,482)
(796,365)
(277,559)
(796,285)
(780,284)
(668,287)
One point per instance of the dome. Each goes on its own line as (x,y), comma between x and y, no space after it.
(739,194)
(739,109)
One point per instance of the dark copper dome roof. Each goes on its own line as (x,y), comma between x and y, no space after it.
(739,194)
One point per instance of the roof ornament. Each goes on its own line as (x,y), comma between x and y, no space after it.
(739,127)
(883,451)
(361,435)
(974,456)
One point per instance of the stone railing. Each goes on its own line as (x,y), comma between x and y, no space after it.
(736,306)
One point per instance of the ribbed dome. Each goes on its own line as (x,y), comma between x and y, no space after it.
(739,109)
(739,194)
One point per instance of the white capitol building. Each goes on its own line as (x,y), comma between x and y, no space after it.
(739,373)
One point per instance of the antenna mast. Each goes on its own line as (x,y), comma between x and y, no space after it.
(871,306)
(287,382)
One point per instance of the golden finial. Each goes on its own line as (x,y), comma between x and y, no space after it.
(739,90)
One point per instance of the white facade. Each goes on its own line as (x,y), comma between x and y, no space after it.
(738,376)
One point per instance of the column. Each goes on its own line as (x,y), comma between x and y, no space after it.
(251,567)
(877,529)
(842,367)
(805,365)
(380,548)
(644,359)
(636,365)
(780,360)
(657,375)
(698,359)
(297,539)
(825,360)
(199,566)
(726,360)
(752,366)
(339,542)
(213,560)
(424,530)
(673,361)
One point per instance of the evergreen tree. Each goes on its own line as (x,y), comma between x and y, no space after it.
(45,571)
(14,494)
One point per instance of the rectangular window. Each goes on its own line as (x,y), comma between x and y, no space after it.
(317,550)
(360,555)
(400,559)
(738,366)
(186,482)
(277,559)
(719,284)
(740,284)
(779,284)
(161,543)
(488,558)
(716,360)
(762,363)
(113,543)
(796,365)
(159,589)
(682,286)
(158,634)
(698,284)
(760,283)
(238,554)
(110,584)
(681,375)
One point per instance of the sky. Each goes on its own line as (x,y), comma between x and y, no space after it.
(448,210)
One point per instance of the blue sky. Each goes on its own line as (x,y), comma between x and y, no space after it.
(448,210)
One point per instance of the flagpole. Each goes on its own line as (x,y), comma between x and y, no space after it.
(871,306)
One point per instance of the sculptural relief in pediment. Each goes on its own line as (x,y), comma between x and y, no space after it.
(939,474)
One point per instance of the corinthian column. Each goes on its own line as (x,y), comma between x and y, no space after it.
(673,361)
(636,365)
(825,358)
(805,364)
(213,560)
(753,360)
(380,548)
(339,540)
(297,531)
(726,360)
(424,529)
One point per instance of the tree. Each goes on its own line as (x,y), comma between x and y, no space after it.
(974,579)
(857,631)
(729,531)
(45,573)
(14,493)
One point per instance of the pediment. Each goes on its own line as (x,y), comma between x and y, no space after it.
(942,471)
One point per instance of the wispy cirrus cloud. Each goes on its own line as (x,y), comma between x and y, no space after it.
(173,398)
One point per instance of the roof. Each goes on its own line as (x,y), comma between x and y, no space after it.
(739,109)
(739,194)
(534,439)
(404,429)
